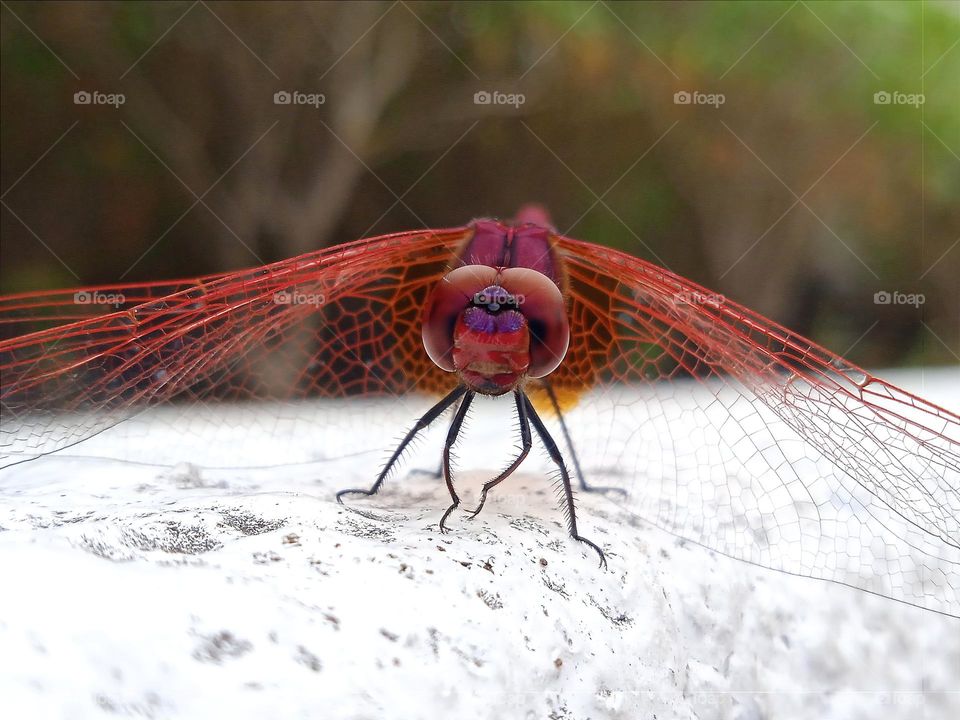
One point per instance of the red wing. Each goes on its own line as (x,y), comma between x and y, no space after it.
(725,428)
(341,321)
(731,431)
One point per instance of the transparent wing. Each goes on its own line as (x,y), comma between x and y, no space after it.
(725,428)
(731,431)
(343,321)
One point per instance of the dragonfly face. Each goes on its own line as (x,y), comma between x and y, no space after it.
(500,319)
(491,342)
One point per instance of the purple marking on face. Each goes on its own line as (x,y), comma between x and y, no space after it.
(479,320)
(509,321)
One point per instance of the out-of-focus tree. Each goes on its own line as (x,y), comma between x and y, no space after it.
(202,105)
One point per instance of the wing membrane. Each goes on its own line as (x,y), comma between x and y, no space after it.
(726,428)
(334,323)
(756,442)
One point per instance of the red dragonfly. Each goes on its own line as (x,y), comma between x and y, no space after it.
(697,414)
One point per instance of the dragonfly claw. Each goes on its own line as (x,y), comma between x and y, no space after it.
(351,491)
(472,514)
(603,558)
(443,520)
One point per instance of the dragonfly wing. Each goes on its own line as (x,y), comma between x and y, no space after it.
(725,428)
(731,431)
(338,322)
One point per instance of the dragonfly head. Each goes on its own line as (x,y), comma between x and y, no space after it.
(496,327)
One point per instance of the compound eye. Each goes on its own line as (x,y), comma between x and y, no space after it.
(540,301)
(452,295)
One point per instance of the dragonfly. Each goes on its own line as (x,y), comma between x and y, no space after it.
(681,407)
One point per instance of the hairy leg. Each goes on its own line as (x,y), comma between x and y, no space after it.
(431,415)
(557,458)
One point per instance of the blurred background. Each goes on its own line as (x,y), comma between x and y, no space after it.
(799,157)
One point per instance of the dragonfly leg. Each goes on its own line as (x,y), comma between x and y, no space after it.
(431,415)
(527,442)
(447,447)
(438,473)
(557,458)
(573,452)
